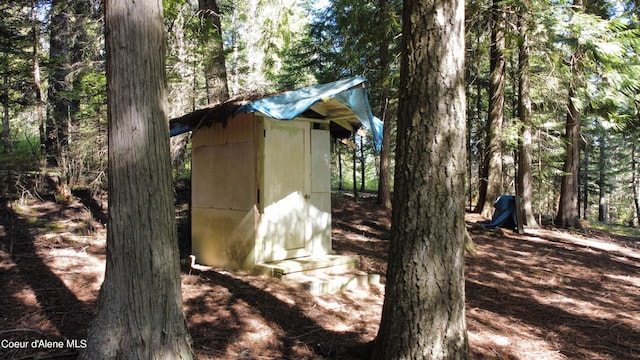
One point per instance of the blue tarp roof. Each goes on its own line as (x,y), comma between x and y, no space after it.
(286,106)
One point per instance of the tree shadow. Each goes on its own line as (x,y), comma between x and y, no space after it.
(182,191)
(86,198)
(293,326)
(566,290)
(372,249)
(53,297)
(615,340)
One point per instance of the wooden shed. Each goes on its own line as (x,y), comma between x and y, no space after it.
(261,175)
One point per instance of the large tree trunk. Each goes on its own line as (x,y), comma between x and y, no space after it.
(215,68)
(493,161)
(37,84)
(567,215)
(482,188)
(525,182)
(59,93)
(139,313)
(423,316)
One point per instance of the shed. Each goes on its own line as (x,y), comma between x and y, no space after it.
(261,170)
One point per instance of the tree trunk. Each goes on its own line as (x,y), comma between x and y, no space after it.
(215,68)
(423,316)
(139,314)
(57,123)
(6,128)
(340,183)
(355,167)
(362,165)
(525,181)
(482,175)
(585,188)
(493,162)
(384,183)
(36,78)
(634,178)
(567,215)
(602,179)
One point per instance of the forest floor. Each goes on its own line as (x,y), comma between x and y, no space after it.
(548,294)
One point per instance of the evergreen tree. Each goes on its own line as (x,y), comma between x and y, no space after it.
(525,178)
(214,56)
(423,316)
(15,64)
(139,314)
(492,187)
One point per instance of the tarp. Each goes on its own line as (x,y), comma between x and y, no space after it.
(289,105)
(176,128)
(504,214)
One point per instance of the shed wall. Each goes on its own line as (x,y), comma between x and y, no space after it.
(261,192)
(224,193)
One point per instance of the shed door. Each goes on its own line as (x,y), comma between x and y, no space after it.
(286,190)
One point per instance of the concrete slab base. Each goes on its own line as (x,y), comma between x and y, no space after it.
(320,275)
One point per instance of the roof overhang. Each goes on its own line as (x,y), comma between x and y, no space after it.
(343,104)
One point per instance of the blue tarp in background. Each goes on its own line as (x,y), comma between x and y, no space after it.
(504,214)
(289,105)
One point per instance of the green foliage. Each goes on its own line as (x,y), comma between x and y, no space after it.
(346,155)
(22,157)
(616,229)
(274,45)
(601,43)
(15,56)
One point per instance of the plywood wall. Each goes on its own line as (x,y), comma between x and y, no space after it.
(224,193)
(261,191)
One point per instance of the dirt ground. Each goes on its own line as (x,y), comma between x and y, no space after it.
(548,294)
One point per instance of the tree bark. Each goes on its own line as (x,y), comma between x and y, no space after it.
(423,315)
(567,215)
(384,183)
(634,178)
(59,93)
(37,84)
(493,161)
(139,314)
(215,67)
(482,175)
(363,170)
(340,183)
(355,167)
(585,186)
(525,181)
(602,179)
(6,128)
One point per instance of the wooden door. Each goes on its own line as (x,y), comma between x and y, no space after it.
(286,177)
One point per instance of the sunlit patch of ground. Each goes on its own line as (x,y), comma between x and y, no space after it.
(575,295)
